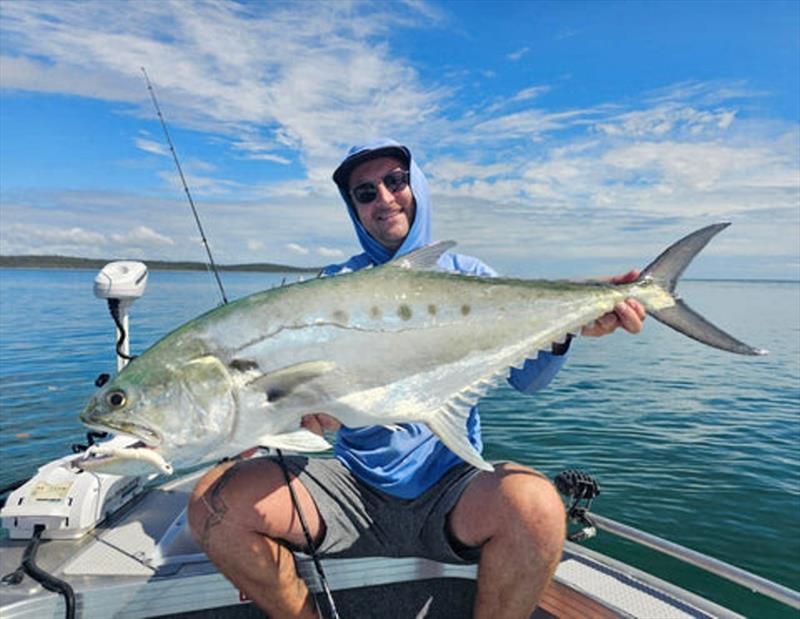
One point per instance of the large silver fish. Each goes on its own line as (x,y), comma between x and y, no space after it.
(398,343)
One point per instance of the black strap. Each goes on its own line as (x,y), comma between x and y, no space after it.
(312,549)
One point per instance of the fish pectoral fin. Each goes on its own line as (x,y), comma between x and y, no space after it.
(298,440)
(281,382)
(423,259)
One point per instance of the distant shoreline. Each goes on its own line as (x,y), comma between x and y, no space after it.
(71,262)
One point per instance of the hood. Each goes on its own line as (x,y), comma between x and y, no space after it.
(420,233)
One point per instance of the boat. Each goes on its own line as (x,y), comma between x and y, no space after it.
(96,545)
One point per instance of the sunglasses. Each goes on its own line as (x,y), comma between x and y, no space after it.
(393,181)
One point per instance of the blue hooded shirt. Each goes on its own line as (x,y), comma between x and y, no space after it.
(408,461)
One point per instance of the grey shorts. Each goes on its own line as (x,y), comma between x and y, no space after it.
(362,521)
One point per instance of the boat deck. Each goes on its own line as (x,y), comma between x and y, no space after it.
(143,563)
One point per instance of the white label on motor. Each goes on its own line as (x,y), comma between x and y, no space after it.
(50,492)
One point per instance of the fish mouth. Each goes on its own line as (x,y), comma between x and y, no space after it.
(147,436)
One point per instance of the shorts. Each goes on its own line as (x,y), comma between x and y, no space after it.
(362,521)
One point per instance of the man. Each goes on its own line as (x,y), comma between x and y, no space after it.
(392,492)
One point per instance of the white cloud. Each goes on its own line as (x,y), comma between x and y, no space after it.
(518,54)
(666,120)
(328,252)
(142,235)
(527,94)
(149,146)
(42,236)
(529,124)
(199,184)
(272,158)
(450,169)
(29,238)
(297,249)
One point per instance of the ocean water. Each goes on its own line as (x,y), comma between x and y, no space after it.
(695,445)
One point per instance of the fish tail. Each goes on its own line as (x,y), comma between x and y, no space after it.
(666,270)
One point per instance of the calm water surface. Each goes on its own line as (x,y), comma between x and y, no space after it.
(689,443)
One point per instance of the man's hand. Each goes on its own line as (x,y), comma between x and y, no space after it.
(628,314)
(319,423)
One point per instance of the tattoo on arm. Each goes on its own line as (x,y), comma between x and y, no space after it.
(217,508)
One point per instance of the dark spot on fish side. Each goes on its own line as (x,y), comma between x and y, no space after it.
(340,316)
(242,365)
(404,311)
(375,312)
(432,309)
(465,309)
(275,394)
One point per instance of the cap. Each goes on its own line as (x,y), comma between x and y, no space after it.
(342,174)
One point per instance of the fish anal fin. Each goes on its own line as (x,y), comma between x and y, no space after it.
(449,422)
(298,440)
(450,426)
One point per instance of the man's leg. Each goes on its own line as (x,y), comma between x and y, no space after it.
(237,513)
(517,518)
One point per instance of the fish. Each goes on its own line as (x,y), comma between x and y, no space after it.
(397,343)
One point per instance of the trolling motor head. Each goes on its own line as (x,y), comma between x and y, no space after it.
(121,283)
(124,280)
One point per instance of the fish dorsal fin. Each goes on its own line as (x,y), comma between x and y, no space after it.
(449,421)
(279,383)
(422,259)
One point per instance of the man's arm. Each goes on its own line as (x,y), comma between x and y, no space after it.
(536,373)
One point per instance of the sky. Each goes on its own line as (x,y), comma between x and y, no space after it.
(560,139)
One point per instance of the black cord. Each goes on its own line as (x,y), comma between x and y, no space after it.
(312,549)
(113,308)
(48,581)
(91,437)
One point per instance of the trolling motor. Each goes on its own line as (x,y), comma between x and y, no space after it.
(582,488)
(121,283)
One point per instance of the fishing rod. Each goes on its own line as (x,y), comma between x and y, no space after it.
(185,187)
(309,540)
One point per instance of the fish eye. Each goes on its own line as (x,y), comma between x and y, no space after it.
(116,399)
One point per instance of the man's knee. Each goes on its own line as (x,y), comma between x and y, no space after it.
(244,496)
(534,506)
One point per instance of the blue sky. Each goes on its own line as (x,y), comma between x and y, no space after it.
(560,138)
